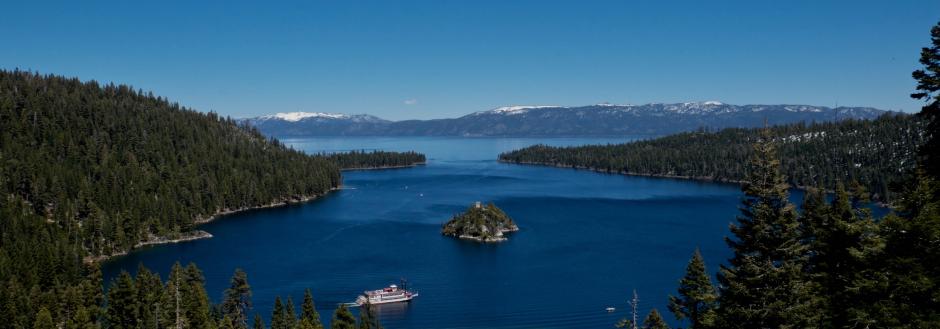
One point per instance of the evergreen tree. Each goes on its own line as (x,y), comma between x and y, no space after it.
(44,320)
(309,311)
(697,296)
(367,318)
(654,321)
(197,306)
(122,303)
(227,322)
(279,315)
(82,320)
(342,319)
(291,316)
(237,300)
(928,90)
(763,286)
(305,324)
(909,279)
(259,323)
(837,255)
(93,293)
(150,299)
(177,292)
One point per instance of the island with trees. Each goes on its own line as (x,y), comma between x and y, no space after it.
(362,160)
(480,223)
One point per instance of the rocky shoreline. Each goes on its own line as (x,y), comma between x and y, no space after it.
(481,224)
(200,234)
(500,237)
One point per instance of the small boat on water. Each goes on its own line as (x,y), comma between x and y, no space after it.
(610,309)
(390,294)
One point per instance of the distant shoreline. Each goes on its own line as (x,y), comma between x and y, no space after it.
(386,167)
(692,178)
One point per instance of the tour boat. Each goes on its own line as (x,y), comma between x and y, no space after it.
(390,294)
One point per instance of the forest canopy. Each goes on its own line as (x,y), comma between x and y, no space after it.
(874,153)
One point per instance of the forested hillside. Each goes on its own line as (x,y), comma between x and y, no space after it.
(874,153)
(92,170)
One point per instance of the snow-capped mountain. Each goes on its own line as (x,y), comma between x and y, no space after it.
(317,124)
(544,120)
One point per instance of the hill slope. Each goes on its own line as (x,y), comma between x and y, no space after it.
(592,120)
(94,170)
(876,153)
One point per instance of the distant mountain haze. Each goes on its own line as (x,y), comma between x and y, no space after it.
(591,120)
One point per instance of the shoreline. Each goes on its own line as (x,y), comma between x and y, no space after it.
(605,171)
(692,178)
(386,167)
(273,204)
(200,234)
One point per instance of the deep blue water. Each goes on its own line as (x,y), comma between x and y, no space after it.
(586,240)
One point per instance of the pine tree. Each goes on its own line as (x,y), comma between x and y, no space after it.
(837,255)
(291,316)
(122,303)
(909,277)
(44,320)
(909,286)
(764,286)
(227,322)
(305,324)
(367,318)
(237,300)
(82,320)
(259,323)
(196,302)
(177,292)
(342,319)
(150,299)
(93,293)
(654,321)
(928,90)
(309,311)
(697,296)
(279,315)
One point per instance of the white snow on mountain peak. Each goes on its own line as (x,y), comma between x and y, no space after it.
(518,109)
(297,116)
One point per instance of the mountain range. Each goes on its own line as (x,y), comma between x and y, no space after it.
(591,120)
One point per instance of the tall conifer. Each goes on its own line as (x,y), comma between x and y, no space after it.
(763,285)
(697,295)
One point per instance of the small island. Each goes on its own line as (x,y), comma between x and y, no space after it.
(480,223)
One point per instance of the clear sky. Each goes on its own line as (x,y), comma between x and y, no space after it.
(434,59)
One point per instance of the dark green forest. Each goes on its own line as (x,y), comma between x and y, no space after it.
(375,159)
(874,153)
(89,170)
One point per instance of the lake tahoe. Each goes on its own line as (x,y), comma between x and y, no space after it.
(586,239)
(470,165)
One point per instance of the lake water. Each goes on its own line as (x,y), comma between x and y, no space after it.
(586,240)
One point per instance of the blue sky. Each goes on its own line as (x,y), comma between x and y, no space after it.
(434,59)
